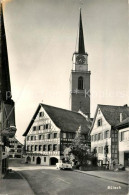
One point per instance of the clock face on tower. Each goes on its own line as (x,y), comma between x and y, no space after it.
(80,59)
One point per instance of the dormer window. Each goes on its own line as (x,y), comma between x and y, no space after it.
(99,122)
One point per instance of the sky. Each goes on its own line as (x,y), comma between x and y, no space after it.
(41,38)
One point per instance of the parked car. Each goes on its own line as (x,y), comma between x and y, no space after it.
(63,166)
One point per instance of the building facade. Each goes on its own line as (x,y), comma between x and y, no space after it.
(80,76)
(123,129)
(104,135)
(7,107)
(50,131)
(15,148)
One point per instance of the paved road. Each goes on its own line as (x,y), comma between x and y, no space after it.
(49,181)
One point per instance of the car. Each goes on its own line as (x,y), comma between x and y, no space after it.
(63,166)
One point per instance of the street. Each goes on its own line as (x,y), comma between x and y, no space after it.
(49,181)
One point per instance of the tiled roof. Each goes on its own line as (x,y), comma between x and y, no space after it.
(123,123)
(112,113)
(66,120)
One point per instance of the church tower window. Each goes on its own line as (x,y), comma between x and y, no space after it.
(80,83)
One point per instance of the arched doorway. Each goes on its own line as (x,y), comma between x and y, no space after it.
(38,162)
(28,159)
(53,161)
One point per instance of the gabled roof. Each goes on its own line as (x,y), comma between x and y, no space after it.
(123,124)
(112,113)
(66,120)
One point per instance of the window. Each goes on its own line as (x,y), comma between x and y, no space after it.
(49,147)
(55,135)
(32,138)
(99,122)
(46,126)
(48,136)
(92,138)
(64,135)
(96,137)
(32,148)
(34,128)
(43,136)
(18,151)
(19,146)
(41,114)
(80,83)
(44,147)
(106,134)
(100,150)
(33,158)
(99,111)
(36,147)
(44,159)
(40,147)
(99,136)
(54,147)
(40,137)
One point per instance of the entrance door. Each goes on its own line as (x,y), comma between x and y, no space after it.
(126,159)
(53,161)
(28,160)
(38,160)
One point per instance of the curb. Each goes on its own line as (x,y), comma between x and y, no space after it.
(26,181)
(101,177)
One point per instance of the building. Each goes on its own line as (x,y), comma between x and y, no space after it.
(7,107)
(123,128)
(50,131)
(104,135)
(80,76)
(16,148)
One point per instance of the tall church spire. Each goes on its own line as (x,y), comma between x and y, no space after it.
(5,86)
(81,45)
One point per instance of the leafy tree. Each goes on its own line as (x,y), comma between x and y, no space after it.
(80,149)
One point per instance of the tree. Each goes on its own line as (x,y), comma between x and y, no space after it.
(80,149)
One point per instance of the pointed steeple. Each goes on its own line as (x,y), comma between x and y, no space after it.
(5,86)
(81,45)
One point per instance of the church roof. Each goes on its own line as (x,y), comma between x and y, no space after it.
(81,45)
(66,120)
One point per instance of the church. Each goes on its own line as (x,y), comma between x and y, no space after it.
(52,129)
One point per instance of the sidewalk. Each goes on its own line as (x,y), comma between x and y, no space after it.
(14,184)
(121,176)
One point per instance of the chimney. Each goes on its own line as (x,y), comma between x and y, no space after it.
(121,117)
(126,105)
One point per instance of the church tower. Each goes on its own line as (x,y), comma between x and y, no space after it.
(80,76)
